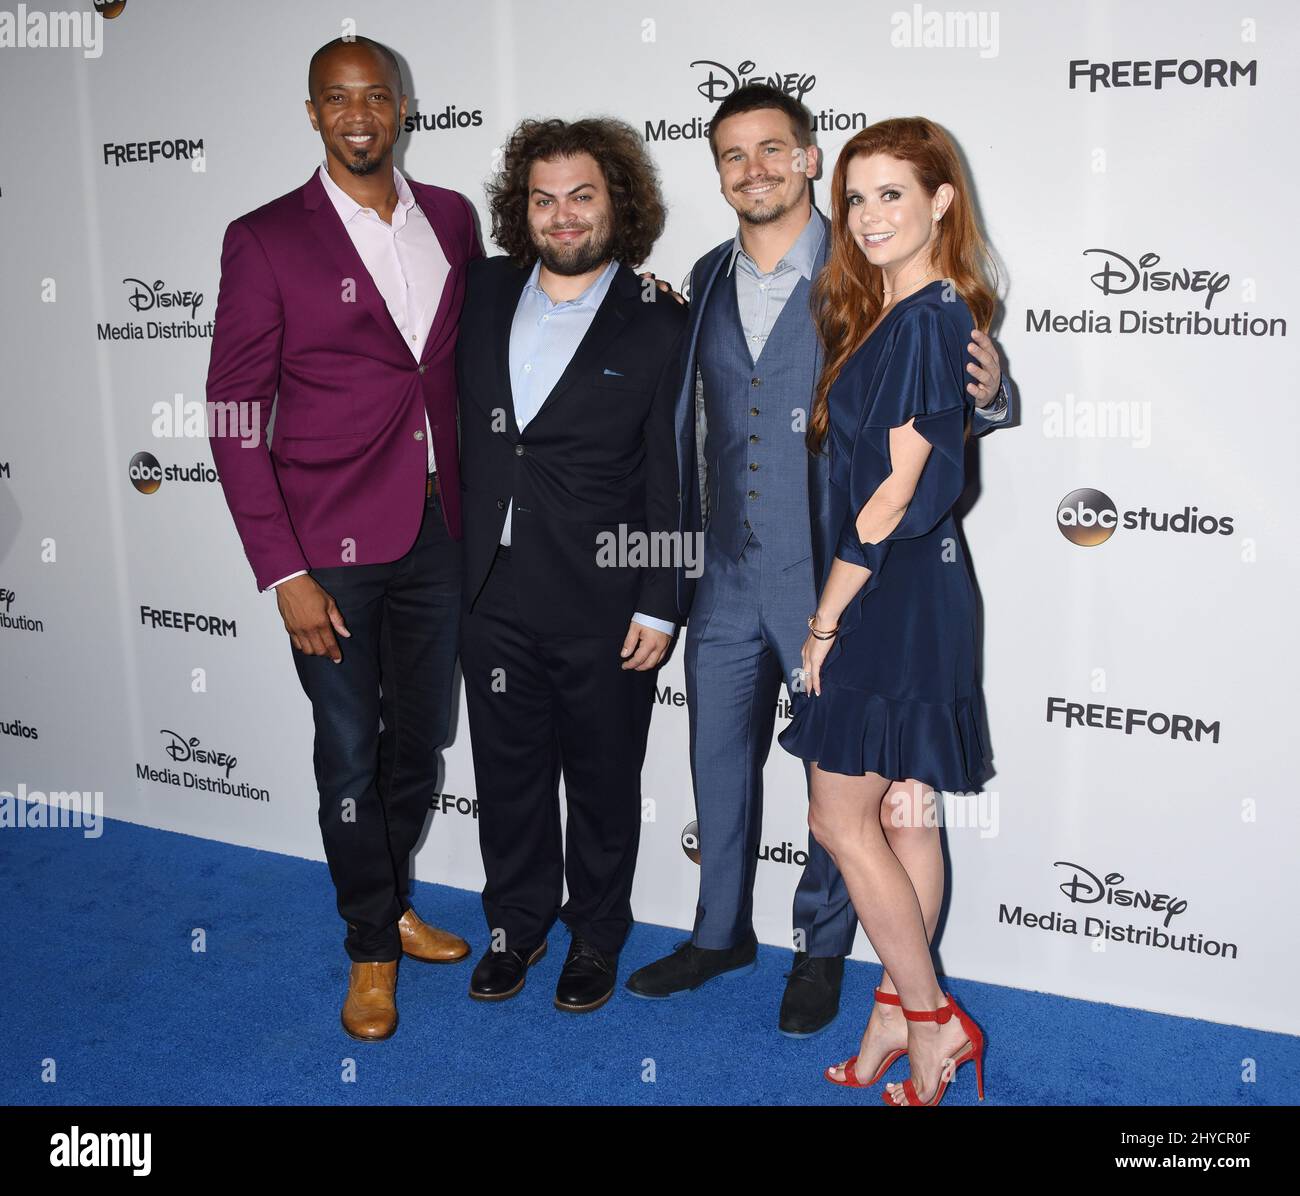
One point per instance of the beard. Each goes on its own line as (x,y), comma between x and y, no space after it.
(361,163)
(572,260)
(765,213)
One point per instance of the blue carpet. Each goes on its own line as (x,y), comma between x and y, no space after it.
(99,977)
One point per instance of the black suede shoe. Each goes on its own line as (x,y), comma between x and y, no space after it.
(690,966)
(587,978)
(501,974)
(812,994)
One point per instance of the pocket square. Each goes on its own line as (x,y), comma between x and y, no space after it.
(614,373)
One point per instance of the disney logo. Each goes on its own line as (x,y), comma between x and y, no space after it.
(146,296)
(1086,888)
(721,80)
(183,751)
(1119,276)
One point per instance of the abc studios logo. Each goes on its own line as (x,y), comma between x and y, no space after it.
(145,472)
(1087,517)
(691,841)
(108,9)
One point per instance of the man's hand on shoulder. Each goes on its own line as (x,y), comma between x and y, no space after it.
(988,373)
(661,285)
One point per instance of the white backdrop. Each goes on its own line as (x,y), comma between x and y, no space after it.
(1088,192)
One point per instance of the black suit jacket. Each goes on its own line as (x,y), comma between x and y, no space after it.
(593,476)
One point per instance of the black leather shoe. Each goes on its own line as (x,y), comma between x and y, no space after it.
(587,978)
(690,966)
(501,974)
(812,994)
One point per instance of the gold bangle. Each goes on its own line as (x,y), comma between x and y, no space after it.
(821,635)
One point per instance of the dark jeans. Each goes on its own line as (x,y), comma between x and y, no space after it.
(540,704)
(376,784)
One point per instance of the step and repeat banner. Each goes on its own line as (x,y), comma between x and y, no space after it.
(1129,537)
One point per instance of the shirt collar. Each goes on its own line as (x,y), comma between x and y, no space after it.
(347,207)
(593,296)
(802,255)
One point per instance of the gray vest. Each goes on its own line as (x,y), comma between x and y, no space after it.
(754,448)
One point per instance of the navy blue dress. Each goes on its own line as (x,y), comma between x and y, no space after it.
(899,691)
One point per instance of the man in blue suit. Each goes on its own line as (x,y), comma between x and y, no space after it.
(753,364)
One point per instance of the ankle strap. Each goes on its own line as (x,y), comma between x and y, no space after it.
(887,998)
(941,1015)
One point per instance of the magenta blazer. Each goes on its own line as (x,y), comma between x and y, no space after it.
(300,324)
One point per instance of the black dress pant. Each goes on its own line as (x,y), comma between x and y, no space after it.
(541,705)
(376,782)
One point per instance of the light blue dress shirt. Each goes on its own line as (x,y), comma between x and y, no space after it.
(543,339)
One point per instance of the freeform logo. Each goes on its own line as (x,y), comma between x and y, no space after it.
(449,803)
(1207,72)
(36,30)
(1128,719)
(1088,517)
(184,620)
(176,149)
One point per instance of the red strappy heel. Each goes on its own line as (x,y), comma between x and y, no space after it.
(973,1050)
(850,1077)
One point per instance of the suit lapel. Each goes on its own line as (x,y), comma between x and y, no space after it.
(502,321)
(434,205)
(611,316)
(328,229)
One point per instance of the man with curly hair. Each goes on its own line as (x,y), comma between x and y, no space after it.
(568,368)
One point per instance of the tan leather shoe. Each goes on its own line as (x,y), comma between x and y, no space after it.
(427,943)
(370,1010)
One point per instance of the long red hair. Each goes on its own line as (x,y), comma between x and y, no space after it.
(849,293)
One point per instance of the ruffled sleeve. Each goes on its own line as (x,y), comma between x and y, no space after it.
(919,377)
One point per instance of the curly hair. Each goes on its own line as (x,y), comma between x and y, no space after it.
(630,175)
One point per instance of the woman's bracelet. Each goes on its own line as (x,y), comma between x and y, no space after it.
(821,635)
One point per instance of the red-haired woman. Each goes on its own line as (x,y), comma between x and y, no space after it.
(893,710)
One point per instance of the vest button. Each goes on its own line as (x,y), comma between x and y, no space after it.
(753,465)
(501,504)
(753,494)
(747,523)
(753,439)
(755,381)
(753,411)
(519,450)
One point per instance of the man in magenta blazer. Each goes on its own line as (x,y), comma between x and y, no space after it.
(339,306)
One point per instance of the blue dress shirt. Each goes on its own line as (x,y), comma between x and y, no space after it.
(543,339)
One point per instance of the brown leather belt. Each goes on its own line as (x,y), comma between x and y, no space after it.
(431,485)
